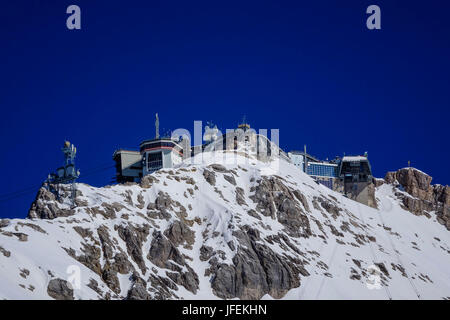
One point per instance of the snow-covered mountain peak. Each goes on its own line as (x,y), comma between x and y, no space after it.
(226,228)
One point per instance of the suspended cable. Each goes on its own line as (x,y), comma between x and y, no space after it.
(371,248)
(308,280)
(329,264)
(398,257)
(22,192)
(10,194)
(18,195)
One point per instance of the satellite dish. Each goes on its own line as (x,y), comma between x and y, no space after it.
(211,133)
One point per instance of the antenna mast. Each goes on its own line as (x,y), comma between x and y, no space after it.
(157,127)
(68,174)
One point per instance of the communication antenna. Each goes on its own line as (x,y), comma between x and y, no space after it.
(211,132)
(244,125)
(68,174)
(157,127)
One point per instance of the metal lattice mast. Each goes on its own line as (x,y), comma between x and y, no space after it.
(67,174)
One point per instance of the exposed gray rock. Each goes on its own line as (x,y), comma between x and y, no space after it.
(106,210)
(21,236)
(254,214)
(230,179)
(122,264)
(161,207)
(231,245)
(94,286)
(301,197)
(276,200)
(179,233)
(148,181)
(60,289)
(83,232)
(240,196)
(210,177)
(162,287)
(138,292)
(330,207)
(256,271)
(415,182)
(218,167)
(106,243)
(189,279)
(163,253)
(24,273)
(425,197)
(4,223)
(134,237)
(90,257)
(206,253)
(162,250)
(109,276)
(32,226)
(45,207)
(5,252)
(141,201)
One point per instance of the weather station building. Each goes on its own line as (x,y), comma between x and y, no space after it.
(160,153)
(153,154)
(323,172)
(356,180)
(257,143)
(301,158)
(350,175)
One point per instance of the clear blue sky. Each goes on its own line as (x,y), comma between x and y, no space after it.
(309,68)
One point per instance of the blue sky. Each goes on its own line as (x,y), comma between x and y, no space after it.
(310,68)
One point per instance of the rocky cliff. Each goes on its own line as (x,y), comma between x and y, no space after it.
(418,195)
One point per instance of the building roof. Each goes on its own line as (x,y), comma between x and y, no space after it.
(323,164)
(354,158)
(303,153)
(116,152)
(158,139)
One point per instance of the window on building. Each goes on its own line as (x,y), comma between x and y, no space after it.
(154,160)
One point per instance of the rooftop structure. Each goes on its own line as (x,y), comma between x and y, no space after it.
(355,169)
(128,165)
